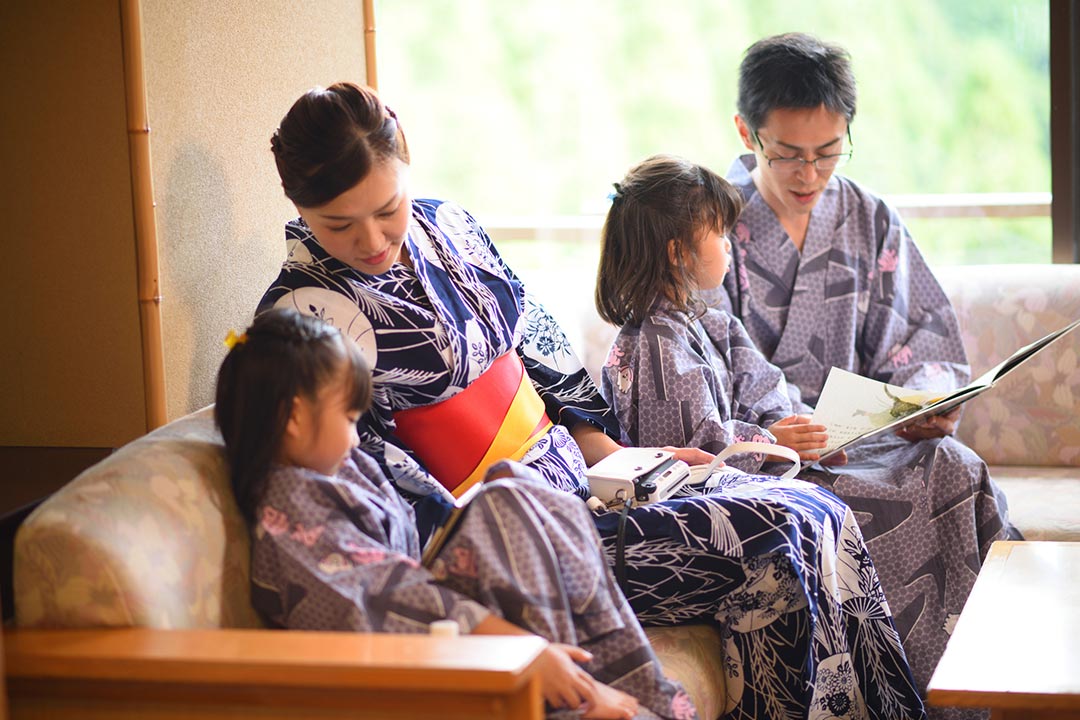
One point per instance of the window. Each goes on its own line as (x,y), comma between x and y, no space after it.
(526,112)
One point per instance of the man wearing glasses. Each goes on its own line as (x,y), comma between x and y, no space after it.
(825,274)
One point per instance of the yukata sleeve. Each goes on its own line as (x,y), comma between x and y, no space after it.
(910,336)
(666,393)
(569,394)
(317,566)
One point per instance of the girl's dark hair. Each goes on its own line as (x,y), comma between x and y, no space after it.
(330,139)
(282,355)
(794,70)
(661,199)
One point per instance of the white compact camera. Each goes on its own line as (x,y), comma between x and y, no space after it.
(644,475)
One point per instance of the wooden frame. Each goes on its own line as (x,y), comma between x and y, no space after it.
(210,674)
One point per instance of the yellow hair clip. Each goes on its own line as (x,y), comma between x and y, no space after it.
(233,339)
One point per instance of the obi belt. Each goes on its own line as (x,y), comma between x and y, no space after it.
(499,415)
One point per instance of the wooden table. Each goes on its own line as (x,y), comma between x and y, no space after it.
(1016,646)
(212,674)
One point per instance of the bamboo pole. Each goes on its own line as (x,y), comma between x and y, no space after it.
(369,45)
(146,247)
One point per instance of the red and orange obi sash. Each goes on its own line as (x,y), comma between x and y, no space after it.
(499,415)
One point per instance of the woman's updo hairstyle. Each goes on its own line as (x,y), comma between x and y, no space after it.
(330,139)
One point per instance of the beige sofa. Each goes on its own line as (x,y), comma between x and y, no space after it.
(150,537)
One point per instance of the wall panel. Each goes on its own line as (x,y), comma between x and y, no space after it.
(219,78)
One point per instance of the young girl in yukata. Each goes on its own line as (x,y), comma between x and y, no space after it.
(679,371)
(334,547)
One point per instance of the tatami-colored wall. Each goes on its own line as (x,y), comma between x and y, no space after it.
(70,358)
(219,77)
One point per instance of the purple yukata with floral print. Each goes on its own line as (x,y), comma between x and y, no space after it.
(860,296)
(342,553)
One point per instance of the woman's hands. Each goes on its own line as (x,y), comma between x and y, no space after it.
(595,446)
(692,456)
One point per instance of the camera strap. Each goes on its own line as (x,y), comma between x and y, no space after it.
(620,545)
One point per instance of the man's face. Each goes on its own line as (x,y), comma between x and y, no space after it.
(792,188)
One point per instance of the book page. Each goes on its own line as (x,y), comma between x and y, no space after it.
(852,405)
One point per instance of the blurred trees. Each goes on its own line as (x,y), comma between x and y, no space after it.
(534,107)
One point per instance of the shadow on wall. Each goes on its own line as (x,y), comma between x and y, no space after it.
(199,256)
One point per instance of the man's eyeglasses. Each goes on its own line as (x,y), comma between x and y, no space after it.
(791,165)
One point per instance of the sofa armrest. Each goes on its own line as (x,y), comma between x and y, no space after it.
(147,673)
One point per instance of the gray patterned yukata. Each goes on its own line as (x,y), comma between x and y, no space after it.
(342,553)
(861,297)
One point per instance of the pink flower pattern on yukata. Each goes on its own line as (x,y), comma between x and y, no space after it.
(614,357)
(463,563)
(901,356)
(369,556)
(274,521)
(888,261)
(681,707)
(307,536)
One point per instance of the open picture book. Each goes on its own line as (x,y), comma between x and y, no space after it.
(854,408)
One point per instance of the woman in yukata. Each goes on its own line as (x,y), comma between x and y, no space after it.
(334,547)
(825,274)
(468,368)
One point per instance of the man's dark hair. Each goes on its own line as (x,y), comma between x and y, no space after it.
(794,70)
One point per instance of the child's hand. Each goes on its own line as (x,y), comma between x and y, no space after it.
(796,432)
(564,683)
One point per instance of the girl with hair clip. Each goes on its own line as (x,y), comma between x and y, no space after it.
(680,372)
(334,547)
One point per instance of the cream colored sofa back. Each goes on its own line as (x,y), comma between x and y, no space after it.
(1030,417)
(148,537)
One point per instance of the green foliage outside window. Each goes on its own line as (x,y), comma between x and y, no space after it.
(534,107)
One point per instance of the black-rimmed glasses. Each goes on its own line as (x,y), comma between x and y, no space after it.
(822,163)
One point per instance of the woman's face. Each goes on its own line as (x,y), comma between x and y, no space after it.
(365,226)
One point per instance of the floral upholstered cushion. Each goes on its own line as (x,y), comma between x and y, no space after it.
(148,537)
(1030,417)
(689,654)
